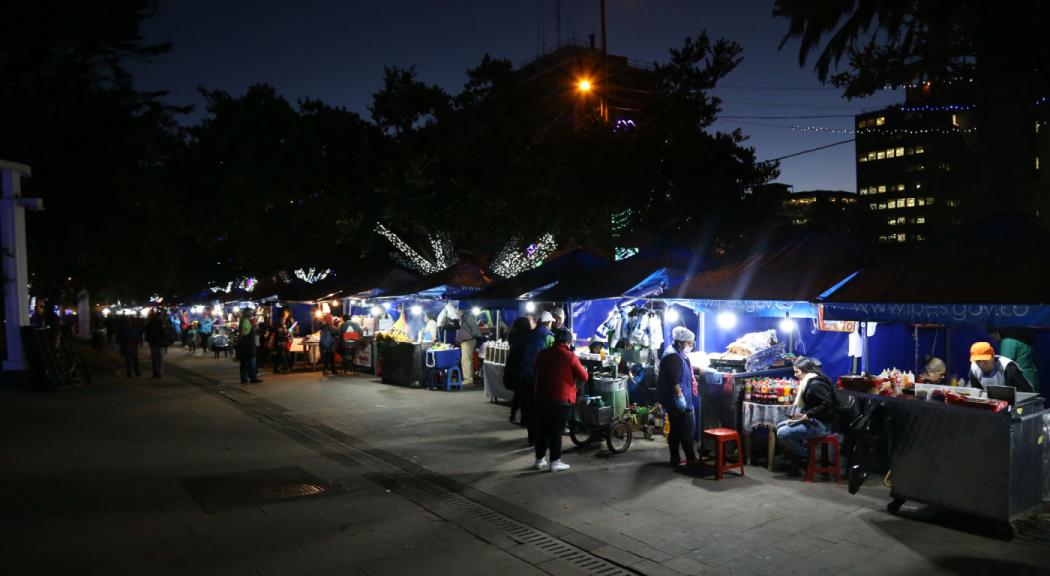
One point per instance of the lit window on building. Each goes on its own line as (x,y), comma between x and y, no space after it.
(871,155)
(881,120)
(900,152)
(920,220)
(880,155)
(862,159)
(955,120)
(953,203)
(900,187)
(929,200)
(882,206)
(911,202)
(920,237)
(882,189)
(920,201)
(902,237)
(919,149)
(873,206)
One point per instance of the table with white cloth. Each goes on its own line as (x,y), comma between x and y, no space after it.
(492,374)
(767,415)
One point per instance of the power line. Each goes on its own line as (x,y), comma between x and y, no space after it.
(810,150)
(788,117)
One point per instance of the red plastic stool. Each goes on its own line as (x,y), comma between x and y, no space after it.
(824,441)
(723,436)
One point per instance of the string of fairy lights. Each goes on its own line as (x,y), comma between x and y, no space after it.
(511,260)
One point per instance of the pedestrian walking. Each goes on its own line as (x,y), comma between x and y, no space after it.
(329,338)
(128,339)
(281,341)
(557,369)
(540,338)
(157,338)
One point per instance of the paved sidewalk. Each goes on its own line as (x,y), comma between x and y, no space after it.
(91,485)
(432,482)
(630,508)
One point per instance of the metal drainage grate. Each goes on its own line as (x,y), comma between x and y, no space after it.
(225,492)
(517,531)
(1035,530)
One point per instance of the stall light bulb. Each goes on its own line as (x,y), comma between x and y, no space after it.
(475,311)
(236,309)
(671,315)
(145,312)
(319,314)
(530,307)
(377,310)
(417,310)
(335,302)
(788,325)
(386,305)
(726,320)
(106,311)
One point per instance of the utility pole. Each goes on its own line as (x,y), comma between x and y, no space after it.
(16,270)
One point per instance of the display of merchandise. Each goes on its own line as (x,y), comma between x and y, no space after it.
(770,390)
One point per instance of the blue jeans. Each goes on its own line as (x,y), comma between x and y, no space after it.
(795,434)
(156,356)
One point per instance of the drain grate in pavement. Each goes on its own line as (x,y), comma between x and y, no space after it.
(225,492)
(1035,530)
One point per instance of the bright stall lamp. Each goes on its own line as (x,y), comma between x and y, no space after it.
(319,314)
(236,309)
(788,325)
(530,307)
(671,315)
(475,311)
(386,305)
(417,310)
(377,310)
(144,312)
(335,302)
(726,320)
(217,310)
(106,311)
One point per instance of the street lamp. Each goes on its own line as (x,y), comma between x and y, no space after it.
(586,87)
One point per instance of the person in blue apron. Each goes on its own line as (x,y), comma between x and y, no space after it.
(674,390)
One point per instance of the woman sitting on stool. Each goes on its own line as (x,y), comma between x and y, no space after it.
(817,409)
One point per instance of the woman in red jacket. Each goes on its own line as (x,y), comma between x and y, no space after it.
(556,370)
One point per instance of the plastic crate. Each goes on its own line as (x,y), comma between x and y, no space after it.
(441,359)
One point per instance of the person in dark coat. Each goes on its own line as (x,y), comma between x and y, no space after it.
(817,410)
(519,331)
(157,338)
(540,338)
(674,390)
(128,339)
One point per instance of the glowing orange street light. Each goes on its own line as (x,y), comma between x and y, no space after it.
(584,85)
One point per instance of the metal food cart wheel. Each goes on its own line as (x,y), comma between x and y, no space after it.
(620,436)
(580,435)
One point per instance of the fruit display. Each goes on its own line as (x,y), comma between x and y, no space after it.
(770,390)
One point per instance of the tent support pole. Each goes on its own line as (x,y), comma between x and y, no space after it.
(864,357)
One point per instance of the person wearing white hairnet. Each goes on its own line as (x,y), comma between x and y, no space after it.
(674,390)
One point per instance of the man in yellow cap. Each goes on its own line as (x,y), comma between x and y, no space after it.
(989,369)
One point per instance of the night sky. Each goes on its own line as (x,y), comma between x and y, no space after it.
(335,51)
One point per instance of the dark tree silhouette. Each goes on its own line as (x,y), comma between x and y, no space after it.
(1003,47)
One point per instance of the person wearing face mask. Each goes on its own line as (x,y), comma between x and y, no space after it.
(674,389)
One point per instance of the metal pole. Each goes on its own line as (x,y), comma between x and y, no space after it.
(15,265)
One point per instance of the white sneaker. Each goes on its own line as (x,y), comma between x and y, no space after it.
(558,466)
(540,464)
